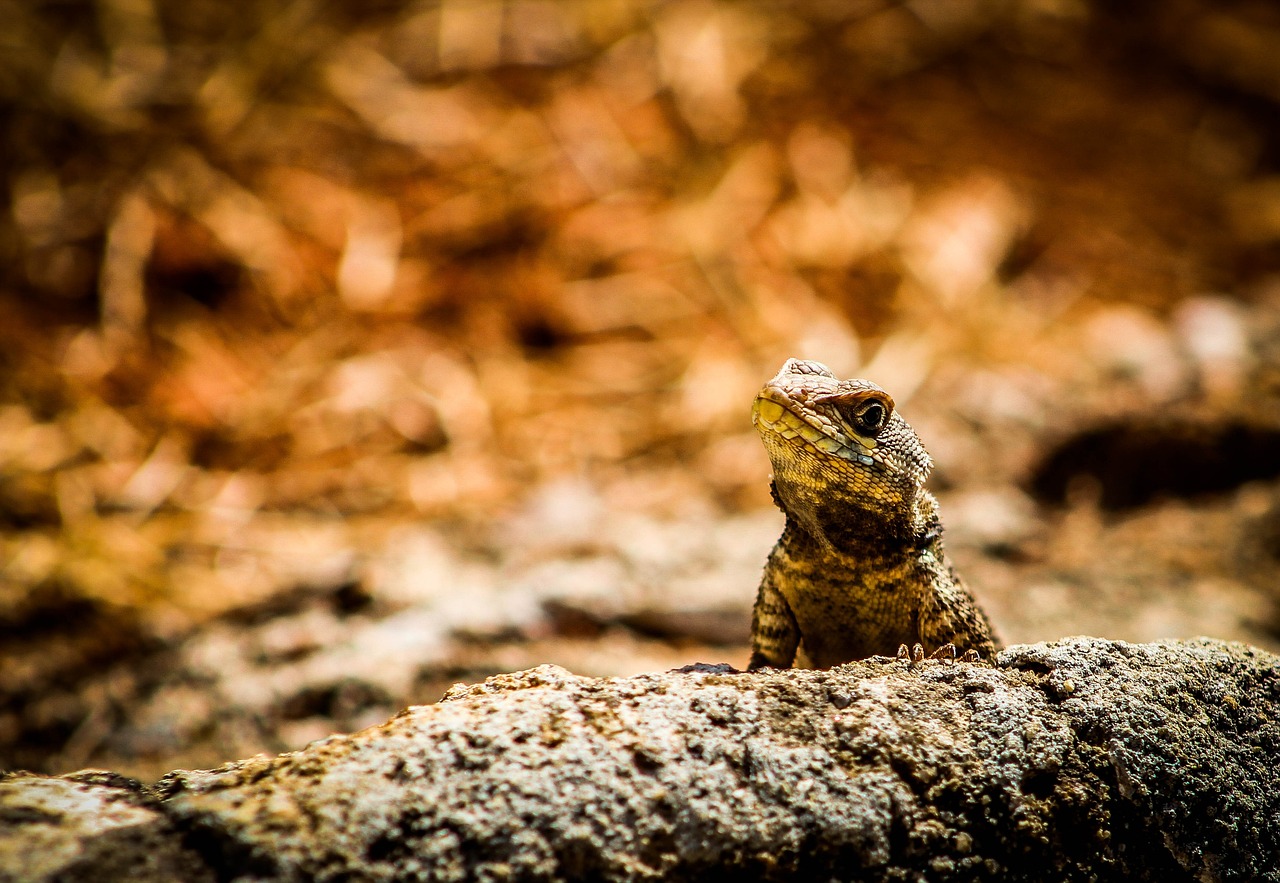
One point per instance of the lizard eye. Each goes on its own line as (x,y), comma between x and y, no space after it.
(871,416)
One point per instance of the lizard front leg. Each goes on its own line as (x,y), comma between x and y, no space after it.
(774,632)
(953,624)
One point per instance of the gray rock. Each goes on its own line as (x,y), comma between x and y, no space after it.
(1083,759)
(89,826)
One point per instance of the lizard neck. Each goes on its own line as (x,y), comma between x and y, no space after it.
(829,526)
(859,590)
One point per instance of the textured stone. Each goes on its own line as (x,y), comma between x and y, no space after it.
(88,826)
(1083,759)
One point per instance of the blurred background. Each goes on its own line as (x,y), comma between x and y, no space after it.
(349,350)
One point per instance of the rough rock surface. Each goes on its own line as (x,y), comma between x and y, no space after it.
(90,825)
(1083,759)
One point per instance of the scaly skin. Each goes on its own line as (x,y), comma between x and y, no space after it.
(859,570)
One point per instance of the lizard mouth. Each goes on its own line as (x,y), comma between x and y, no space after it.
(776,415)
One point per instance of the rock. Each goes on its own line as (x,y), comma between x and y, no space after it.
(1082,759)
(89,826)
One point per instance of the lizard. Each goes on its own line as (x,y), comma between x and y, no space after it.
(860,568)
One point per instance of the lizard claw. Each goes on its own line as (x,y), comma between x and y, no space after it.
(971,655)
(946,653)
(914,656)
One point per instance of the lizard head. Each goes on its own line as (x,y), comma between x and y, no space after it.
(843,459)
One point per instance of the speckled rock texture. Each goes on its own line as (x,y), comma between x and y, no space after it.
(91,825)
(1079,760)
